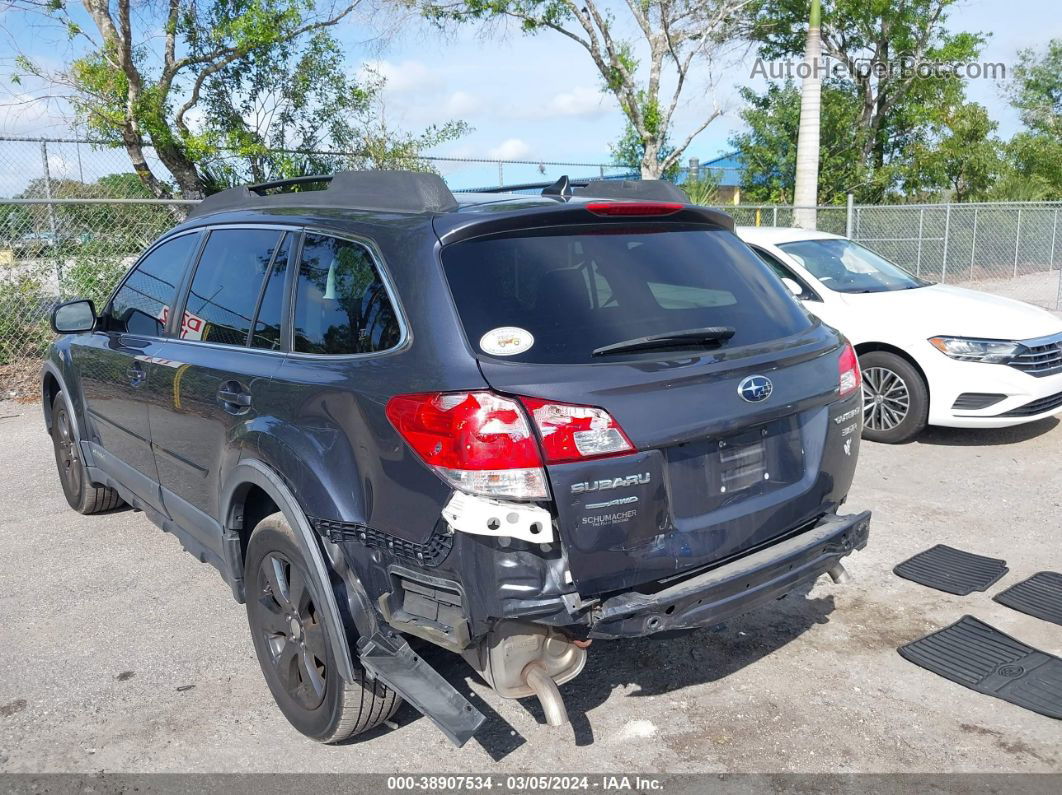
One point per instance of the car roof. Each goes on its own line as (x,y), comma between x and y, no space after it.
(773,235)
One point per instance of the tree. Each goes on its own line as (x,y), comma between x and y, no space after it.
(1034,156)
(768,143)
(962,156)
(881,46)
(236,90)
(805,192)
(677,37)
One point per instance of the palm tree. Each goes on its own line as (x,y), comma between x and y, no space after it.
(805,193)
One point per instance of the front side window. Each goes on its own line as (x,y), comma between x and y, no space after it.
(847,267)
(224,291)
(143,303)
(341,305)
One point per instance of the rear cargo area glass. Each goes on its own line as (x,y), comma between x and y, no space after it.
(575,291)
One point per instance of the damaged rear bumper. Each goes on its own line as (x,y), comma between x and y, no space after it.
(722,592)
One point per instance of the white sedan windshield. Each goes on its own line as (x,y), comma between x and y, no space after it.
(848,267)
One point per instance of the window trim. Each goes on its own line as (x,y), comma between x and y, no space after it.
(405,336)
(814,296)
(180,285)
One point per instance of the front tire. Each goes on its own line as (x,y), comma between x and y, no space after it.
(895,398)
(293,644)
(82,495)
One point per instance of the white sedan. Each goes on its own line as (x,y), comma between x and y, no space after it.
(931,354)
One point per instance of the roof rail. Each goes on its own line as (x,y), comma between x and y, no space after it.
(644,189)
(387,191)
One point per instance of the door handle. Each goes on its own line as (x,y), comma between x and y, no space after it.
(234,395)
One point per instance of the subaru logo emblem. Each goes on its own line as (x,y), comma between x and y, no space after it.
(755,388)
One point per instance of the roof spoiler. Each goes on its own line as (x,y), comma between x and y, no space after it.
(386,191)
(657,190)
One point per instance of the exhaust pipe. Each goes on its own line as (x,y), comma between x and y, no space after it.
(839,574)
(521,659)
(538,679)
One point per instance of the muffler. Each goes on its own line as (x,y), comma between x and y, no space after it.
(519,659)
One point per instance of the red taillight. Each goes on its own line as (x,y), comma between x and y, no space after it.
(848,365)
(572,433)
(478,442)
(482,443)
(633,208)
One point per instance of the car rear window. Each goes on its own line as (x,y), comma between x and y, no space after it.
(566,294)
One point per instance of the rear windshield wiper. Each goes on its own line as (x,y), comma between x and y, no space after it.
(693,338)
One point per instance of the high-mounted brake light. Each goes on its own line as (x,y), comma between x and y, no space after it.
(478,442)
(633,208)
(573,433)
(482,443)
(848,365)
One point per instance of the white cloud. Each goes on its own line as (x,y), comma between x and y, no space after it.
(402,77)
(509,149)
(581,101)
(461,103)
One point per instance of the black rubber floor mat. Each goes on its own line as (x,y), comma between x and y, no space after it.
(952,570)
(1040,596)
(982,658)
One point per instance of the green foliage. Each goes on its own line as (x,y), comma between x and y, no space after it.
(229,91)
(874,127)
(960,155)
(1033,168)
(768,144)
(22,334)
(703,190)
(629,150)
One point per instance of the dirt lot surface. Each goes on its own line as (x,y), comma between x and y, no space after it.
(122,653)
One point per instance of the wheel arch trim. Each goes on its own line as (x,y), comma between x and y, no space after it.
(252,471)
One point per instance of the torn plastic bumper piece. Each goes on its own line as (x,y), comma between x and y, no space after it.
(394,663)
(736,587)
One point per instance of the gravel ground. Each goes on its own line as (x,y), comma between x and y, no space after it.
(120,653)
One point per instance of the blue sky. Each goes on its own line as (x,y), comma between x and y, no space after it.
(532,97)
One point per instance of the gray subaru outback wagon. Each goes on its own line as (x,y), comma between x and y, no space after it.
(507,425)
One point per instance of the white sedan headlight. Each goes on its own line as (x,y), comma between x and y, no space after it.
(972,350)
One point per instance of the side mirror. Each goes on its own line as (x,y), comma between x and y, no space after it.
(793,285)
(74,317)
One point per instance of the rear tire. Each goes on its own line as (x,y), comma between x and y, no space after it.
(895,398)
(294,646)
(82,495)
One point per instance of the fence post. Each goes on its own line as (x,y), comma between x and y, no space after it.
(501,174)
(51,212)
(1017,242)
(1054,233)
(973,246)
(774,215)
(848,219)
(947,234)
(918,255)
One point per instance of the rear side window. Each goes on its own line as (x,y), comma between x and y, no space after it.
(578,292)
(224,292)
(143,303)
(341,304)
(267,323)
